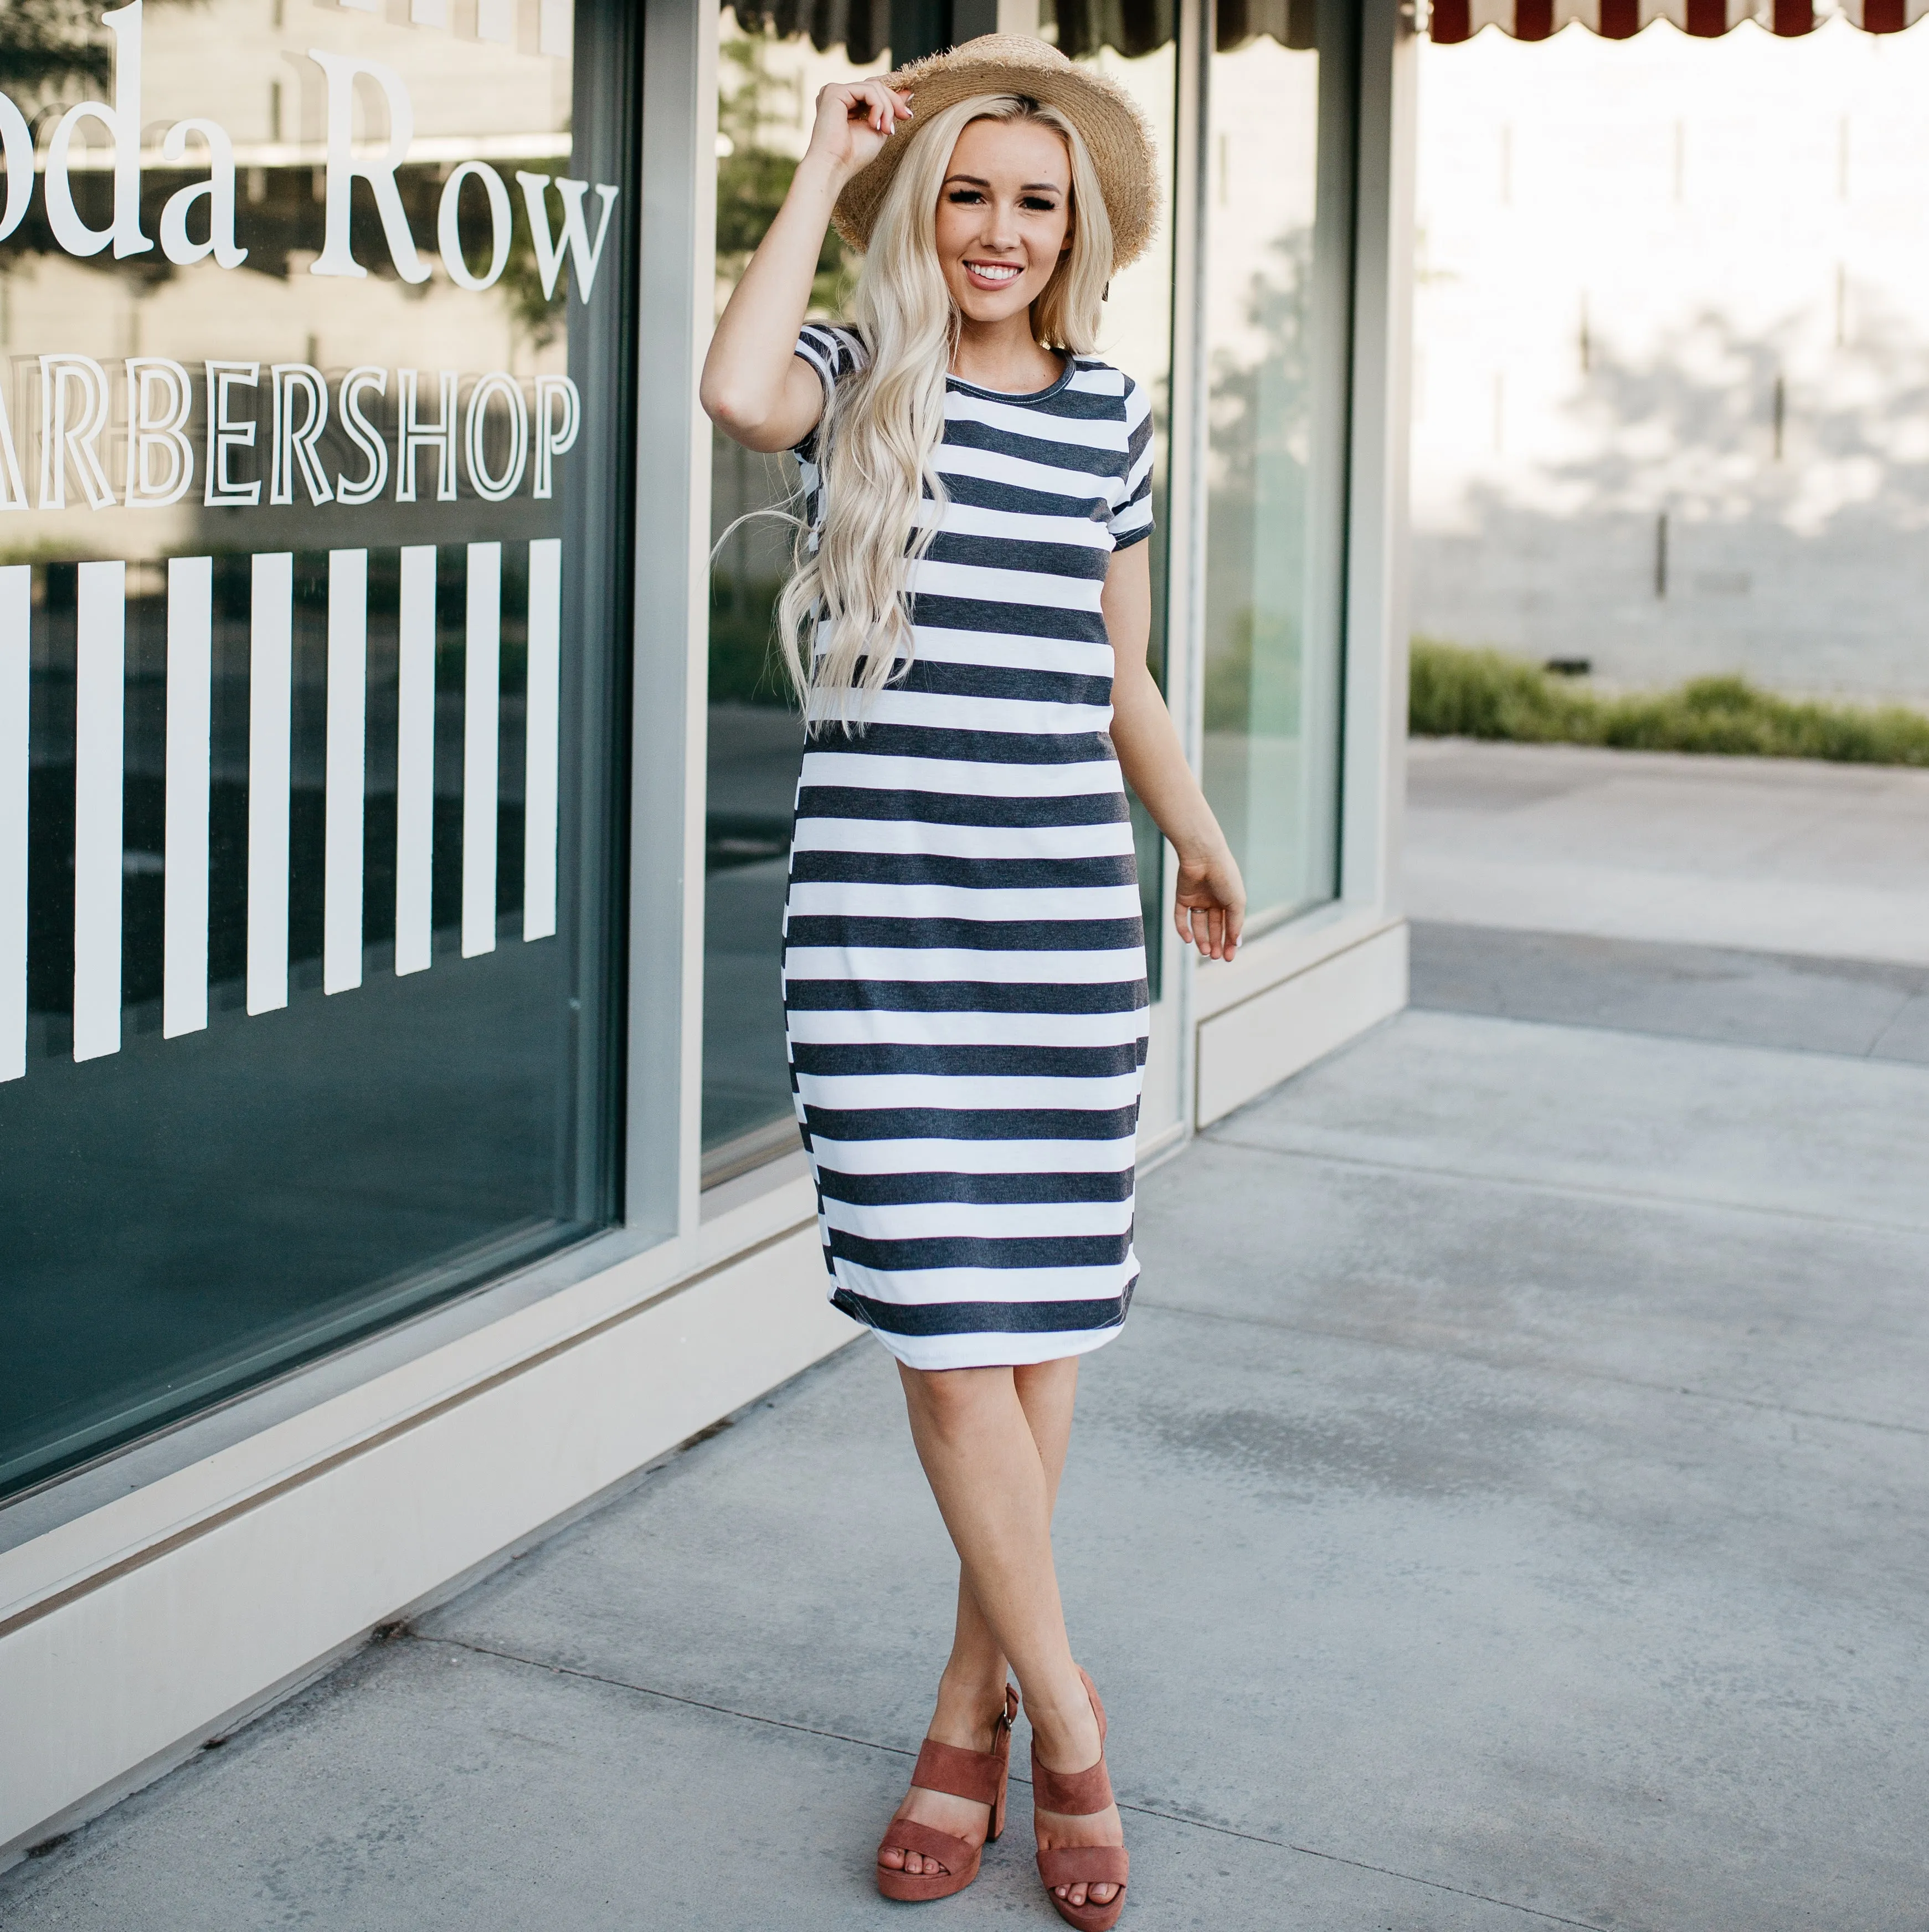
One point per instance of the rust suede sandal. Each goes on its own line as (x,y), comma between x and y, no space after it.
(1077,1794)
(979,1776)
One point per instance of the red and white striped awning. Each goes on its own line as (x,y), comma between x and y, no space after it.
(1454,20)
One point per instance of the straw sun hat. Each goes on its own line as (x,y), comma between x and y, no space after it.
(1106,115)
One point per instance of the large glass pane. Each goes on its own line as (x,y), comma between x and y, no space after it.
(1275,321)
(770,71)
(312,489)
(1136,47)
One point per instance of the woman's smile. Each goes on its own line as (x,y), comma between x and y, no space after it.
(993,274)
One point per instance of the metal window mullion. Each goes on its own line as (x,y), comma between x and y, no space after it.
(677,275)
(1185,589)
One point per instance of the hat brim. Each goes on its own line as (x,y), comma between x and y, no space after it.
(1108,121)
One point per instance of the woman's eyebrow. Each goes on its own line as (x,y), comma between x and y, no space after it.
(1027,187)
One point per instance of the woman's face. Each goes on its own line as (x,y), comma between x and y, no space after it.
(1004,217)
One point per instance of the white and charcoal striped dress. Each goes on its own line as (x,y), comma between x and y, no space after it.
(964,984)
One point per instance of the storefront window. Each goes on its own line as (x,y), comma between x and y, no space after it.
(773,61)
(314,478)
(770,71)
(1276,323)
(1136,47)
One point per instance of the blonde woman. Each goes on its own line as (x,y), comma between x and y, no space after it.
(964,963)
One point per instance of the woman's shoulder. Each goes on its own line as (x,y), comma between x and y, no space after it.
(1107,391)
(1092,376)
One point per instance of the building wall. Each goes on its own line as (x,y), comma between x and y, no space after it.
(1680,279)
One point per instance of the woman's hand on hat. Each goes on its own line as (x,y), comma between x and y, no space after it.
(854,120)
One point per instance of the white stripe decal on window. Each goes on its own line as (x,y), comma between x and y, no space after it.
(184,1002)
(542,721)
(100,649)
(270,681)
(415,761)
(481,714)
(348,722)
(16,605)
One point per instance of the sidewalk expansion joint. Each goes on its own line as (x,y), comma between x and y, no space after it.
(897,1750)
(1487,1359)
(1582,1190)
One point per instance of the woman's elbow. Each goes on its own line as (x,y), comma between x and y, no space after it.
(727,406)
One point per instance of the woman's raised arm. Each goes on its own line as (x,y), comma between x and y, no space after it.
(755,388)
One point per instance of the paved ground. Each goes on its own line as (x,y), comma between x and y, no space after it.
(1861,1007)
(1507,1506)
(1767,855)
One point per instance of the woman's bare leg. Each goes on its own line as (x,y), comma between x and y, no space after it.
(993,1443)
(974,1682)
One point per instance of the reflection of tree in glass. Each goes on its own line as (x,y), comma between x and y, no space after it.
(1260,452)
(44,41)
(752,177)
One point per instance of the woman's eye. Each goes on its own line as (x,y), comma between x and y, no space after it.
(1038,204)
(961,196)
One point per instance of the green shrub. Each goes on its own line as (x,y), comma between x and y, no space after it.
(1456,692)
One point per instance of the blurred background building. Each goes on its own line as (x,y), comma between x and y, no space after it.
(1671,365)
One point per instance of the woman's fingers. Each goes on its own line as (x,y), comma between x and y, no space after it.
(855,118)
(1209,922)
(872,102)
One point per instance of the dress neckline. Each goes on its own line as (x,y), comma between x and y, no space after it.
(1065,375)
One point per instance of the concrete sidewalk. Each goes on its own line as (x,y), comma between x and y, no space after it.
(1507,1506)
(1763,855)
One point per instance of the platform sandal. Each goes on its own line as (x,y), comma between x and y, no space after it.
(1077,1794)
(980,1776)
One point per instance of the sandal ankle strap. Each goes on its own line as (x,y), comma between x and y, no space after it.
(1074,1793)
(977,1775)
(961,1774)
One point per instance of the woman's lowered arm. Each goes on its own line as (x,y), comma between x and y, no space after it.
(1209,905)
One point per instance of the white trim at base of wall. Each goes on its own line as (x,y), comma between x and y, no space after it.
(121,1678)
(1274,1033)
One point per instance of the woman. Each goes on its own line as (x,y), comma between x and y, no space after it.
(964,965)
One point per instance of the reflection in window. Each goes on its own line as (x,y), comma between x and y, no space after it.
(773,61)
(308,1003)
(1134,46)
(1275,338)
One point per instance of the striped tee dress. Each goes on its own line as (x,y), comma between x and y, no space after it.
(964,965)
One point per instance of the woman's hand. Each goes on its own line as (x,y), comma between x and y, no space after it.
(1209,904)
(854,120)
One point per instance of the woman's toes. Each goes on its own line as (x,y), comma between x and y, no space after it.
(891,1858)
(1076,1897)
(1103,1895)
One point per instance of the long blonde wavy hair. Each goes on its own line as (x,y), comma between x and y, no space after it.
(843,621)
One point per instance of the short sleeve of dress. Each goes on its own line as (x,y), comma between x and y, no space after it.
(1131,519)
(833,352)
